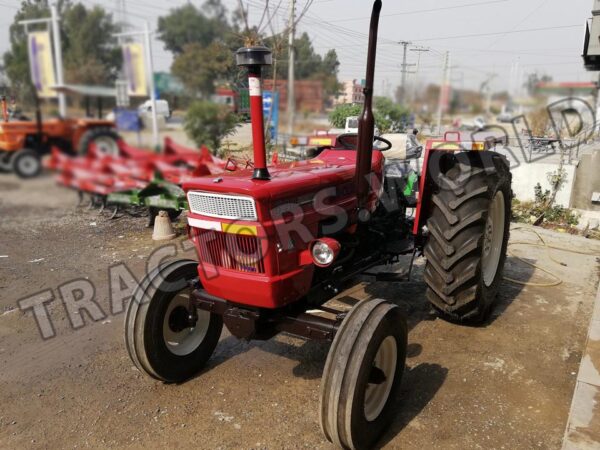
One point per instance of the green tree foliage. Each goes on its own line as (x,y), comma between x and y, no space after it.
(389,116)
(208,124)
(89,49)
(309,64)
(92,55)
(189,25)
(340,113)
(198,67)
(189,32)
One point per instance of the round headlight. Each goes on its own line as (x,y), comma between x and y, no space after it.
(322,253)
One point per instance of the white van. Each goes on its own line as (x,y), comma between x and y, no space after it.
(352,126)
(162,109)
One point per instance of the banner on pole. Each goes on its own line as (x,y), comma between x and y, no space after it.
(135,69)
(41,63)
(271,110)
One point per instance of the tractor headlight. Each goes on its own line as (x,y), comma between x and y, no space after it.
(324,251)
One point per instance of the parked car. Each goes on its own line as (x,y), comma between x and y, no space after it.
(162,108)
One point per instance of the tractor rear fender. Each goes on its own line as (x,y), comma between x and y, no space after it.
(432,167)
(80,127)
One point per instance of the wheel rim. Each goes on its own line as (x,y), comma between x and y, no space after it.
(376,394)
(181,339)
(27,165)
(493,239)
(106,146)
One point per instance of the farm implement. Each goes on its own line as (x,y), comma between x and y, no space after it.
(135,178)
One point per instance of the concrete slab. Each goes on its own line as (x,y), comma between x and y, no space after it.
(583,425)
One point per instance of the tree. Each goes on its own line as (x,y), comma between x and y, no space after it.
(89,49)
(188,25)
(208,124)
(390,116)
(338,116)
(92,55)
(198,67)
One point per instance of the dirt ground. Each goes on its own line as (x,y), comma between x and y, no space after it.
(507,384)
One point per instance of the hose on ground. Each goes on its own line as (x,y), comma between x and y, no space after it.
(557,280)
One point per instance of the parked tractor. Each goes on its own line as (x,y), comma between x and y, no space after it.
(24,142)
(275,244)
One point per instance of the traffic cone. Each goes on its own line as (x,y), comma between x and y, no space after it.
(163,230)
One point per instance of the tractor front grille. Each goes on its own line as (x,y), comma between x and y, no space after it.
(222,206)
(231,251)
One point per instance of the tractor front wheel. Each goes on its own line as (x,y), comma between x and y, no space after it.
(26,163)
(165,338)
(468,235)
(362,374)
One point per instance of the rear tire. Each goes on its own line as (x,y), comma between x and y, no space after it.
(468,235)
(159,339)
(362,374)
(106,140)
(26,163)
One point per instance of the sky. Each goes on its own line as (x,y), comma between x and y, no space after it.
(485,38)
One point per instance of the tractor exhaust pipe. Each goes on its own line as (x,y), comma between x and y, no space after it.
(366,123)
(254,58)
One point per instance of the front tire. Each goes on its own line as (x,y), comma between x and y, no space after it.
(159,337)
(468,235)
(362,374)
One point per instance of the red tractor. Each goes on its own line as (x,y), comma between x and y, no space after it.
(276,243)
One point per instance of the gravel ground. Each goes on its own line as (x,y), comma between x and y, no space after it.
(507,384)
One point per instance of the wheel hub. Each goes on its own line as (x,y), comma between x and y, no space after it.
(181,335)
(381,378)
(179,319)
(27,165)
(493,239)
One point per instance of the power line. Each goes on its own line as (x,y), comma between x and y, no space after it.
(500,33)
(420,11)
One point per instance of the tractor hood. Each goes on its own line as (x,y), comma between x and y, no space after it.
(288,180)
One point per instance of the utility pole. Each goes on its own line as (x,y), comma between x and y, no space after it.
(404,70)
(419,51)
(291,99)
(444,92)
(486,89)
(62,100)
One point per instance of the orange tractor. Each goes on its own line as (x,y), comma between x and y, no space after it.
(24,142)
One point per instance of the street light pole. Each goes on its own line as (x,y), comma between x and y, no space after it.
(62,100)
(151,85)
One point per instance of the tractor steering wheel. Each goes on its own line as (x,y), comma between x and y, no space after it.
(349,141)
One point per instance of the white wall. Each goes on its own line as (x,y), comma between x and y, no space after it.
(526,176)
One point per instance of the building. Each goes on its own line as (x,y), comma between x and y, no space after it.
(309,94)
(352,92)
